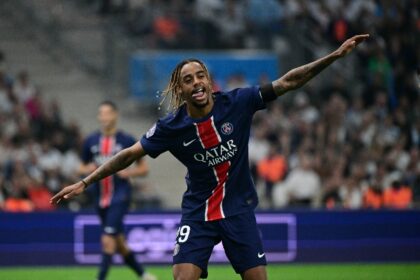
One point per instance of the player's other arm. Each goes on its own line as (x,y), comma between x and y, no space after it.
(297,77)
(118,162)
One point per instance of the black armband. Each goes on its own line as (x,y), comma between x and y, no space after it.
(267,93)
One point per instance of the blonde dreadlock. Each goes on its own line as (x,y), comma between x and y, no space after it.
(175,83)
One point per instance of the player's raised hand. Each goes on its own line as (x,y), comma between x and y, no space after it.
(350,44)
(68,192)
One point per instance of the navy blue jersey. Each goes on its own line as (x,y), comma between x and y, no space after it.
(99,148)
(215,151)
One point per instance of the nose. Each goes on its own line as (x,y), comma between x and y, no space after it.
(196,81)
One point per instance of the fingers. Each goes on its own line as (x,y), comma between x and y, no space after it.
(58,197)
(71,194)
(360,38)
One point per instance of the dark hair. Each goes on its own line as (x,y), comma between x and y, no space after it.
(110,104)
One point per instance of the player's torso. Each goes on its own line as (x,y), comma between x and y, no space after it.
(103,147)
(208,142)
(112,189)
(215,151)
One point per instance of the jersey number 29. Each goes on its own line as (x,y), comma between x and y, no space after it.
(183,234)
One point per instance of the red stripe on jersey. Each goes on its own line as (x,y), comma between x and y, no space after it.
(214,203)
(209,138)
(107,184)
(207,134)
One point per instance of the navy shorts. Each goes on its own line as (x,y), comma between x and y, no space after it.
(112,218)
(239,235)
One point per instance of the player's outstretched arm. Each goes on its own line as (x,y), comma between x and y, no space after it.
(119,161)
(297,77)
(140,169)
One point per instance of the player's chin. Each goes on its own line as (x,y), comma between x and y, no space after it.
(201,103)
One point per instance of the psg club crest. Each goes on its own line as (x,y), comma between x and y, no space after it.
(227,128)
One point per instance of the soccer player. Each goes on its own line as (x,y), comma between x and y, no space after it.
(208,132)
(113,192)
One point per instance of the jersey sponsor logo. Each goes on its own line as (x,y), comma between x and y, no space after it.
(186,144)
(151,131)
(217,155)
(260,255)
(227,128)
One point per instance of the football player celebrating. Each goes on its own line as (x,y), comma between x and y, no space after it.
(208,132)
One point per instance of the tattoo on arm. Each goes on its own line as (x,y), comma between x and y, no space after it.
(297,77)
(118,162)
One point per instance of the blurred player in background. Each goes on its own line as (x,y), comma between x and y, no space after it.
(208,132)
(113,193)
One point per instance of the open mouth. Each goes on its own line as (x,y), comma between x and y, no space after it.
(198,93)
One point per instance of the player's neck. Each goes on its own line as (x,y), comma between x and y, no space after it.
(197,112)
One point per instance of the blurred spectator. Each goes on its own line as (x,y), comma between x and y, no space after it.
(306,112)
(272,170)
(18,204)
(331,200)
(23,87)
(232,25)
(17,189)
(373,198)
(167,29)
(50,158)
(258,148)
(398,196)
(40,197)
(339,27)
(351,191)
(206,15)
(301,187)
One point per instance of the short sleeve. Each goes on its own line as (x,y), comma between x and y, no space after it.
(156,140)
(250,98)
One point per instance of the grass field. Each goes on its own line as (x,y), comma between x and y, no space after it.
(397,271)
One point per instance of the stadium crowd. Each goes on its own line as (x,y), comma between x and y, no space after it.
(334,145)
(356,144)
(38,150)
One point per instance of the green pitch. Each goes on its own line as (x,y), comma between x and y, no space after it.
(282,272)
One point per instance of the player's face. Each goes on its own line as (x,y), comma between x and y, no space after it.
(107,117)
(195,85)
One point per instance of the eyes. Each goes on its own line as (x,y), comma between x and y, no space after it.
(189,78)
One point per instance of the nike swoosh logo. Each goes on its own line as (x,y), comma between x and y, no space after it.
(188,143)
(261,255)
